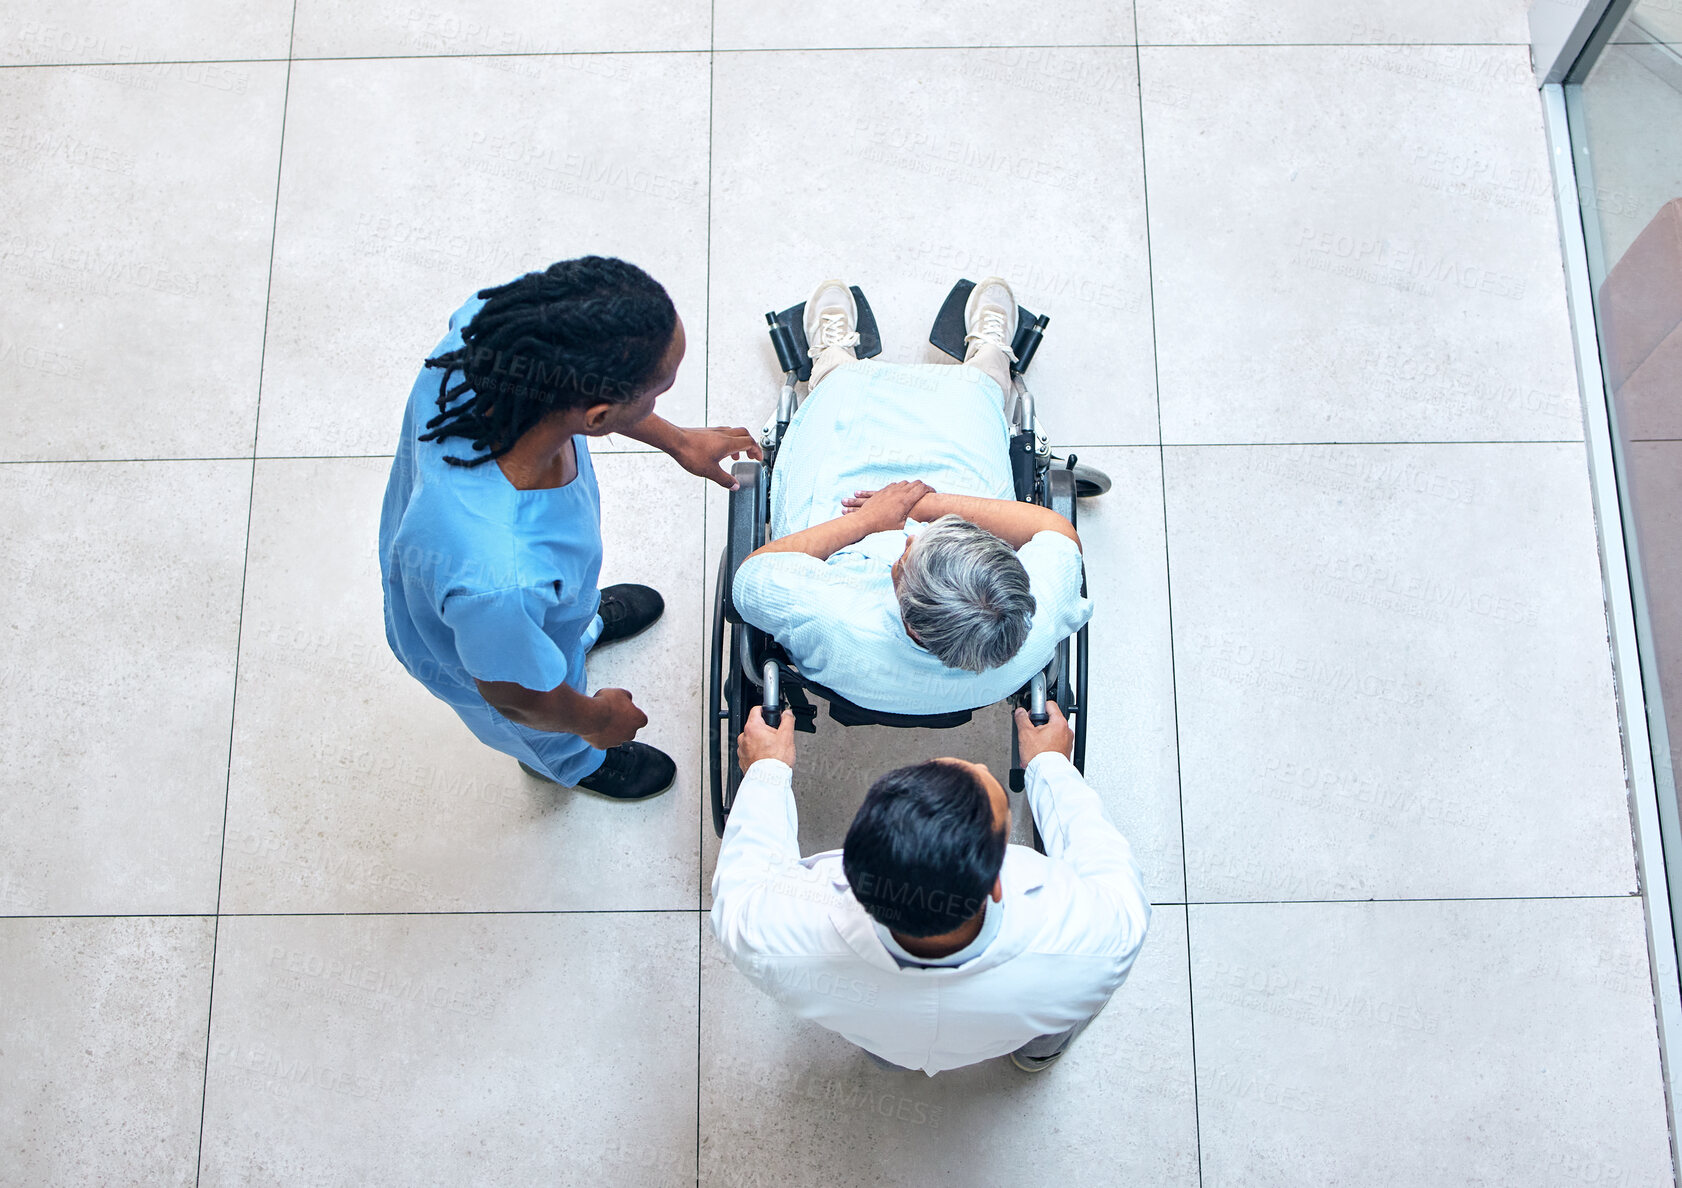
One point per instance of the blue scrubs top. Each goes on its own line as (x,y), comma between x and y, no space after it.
(486,581)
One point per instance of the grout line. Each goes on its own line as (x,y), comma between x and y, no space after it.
(1604,897)
(371,914)
(1064,446)
(706,419)
(769,49)
(1121,45)
(239,629)
(700,956)
(1609,896)
(702,821)
(1168,582)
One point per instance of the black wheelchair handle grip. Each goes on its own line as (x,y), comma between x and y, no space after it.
(1030,343)
(782,339)
(1039,719)
(773,717)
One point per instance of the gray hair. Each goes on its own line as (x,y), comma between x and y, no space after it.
(963,595)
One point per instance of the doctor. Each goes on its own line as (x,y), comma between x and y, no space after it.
(927,940)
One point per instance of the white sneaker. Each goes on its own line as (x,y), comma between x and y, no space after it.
(831,318)
(990,317)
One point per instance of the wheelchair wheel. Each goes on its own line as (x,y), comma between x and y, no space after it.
(1081,694)
(1090,481)
(726,709)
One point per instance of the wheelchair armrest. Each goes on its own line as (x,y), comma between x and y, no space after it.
(1060,493)
(745,528)
(1023,464)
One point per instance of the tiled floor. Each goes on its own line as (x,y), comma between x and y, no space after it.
(271,916)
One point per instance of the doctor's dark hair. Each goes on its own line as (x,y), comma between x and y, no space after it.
(581,332)
(923,852)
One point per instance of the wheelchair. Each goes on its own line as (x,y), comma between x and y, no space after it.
(748,667)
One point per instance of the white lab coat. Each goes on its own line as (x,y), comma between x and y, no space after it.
(1073,921)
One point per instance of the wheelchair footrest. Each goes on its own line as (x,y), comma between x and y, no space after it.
(792,325)
(948,331)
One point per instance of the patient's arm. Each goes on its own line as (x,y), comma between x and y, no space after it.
(1011,520)
(883,510)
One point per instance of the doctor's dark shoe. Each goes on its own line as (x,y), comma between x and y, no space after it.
(631,771)
(1032,1064)
(626,610)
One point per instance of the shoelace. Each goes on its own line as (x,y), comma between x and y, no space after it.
(832,331)
(992,330)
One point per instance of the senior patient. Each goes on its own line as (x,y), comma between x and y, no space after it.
(927,940)
(903,573)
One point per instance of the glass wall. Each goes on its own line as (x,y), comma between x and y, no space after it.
(1625,107)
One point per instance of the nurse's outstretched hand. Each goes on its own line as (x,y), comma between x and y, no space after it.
(620,719)
(701,450)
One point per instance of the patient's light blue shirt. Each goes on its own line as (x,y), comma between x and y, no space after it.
(866,425)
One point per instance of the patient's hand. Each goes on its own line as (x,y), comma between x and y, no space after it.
(888,508)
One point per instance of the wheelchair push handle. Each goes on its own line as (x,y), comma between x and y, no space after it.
(1037,713)
(771,707)
(1028,340)
(782,338)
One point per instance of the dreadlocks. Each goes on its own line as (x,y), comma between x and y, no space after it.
(580,332)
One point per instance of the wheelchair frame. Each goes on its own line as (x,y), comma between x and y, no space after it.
(743,658)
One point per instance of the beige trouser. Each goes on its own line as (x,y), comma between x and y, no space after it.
(984,357)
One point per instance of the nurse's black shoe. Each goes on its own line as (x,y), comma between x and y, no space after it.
(626,610)
(631,771)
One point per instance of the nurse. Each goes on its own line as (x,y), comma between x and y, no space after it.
(490,536)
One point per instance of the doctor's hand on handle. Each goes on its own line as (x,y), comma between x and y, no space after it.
(758,741)
(1055,735)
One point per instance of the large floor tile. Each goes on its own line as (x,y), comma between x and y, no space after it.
(177,37)
(117,667)
(788,1102)
(755,24)
(102,1040)
(481,27)
(400,199)
(1335,22)
(529,1049)
(354,789)
(1132,756)
(1393,674)
(1427,1043)
(133,257)
(1354,243)
(971,170)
